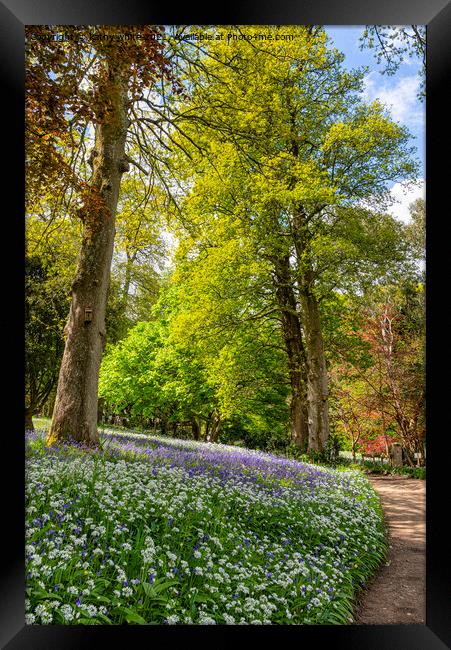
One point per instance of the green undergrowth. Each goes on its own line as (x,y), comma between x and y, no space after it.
(150,531)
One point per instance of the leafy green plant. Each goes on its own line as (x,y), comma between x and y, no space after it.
(151,530)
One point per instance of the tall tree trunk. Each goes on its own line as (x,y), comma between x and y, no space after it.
(75,411)
(195,428)
(298,410)
(317,382)
(28,419)
(215,427)
(295,350)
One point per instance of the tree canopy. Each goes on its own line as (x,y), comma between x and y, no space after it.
(256,157)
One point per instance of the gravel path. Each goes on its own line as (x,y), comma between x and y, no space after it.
(396,595)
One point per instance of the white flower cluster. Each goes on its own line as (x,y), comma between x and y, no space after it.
(148,552)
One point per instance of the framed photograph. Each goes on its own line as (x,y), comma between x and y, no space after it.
(234,156)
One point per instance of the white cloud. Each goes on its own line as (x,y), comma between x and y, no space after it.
(403,198)
(400,97)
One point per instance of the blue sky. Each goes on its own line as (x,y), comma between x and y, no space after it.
(398,92)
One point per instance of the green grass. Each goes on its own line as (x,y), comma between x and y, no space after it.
(42,424)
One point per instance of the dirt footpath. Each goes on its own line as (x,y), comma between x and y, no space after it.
(396,595)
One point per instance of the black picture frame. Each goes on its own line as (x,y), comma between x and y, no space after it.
(436,14)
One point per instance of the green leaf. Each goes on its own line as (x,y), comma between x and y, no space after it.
(88,621)
(101,599)
(39,594)
(164,585)
(152,593)
(104,618)
(203,598)
(131,616)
